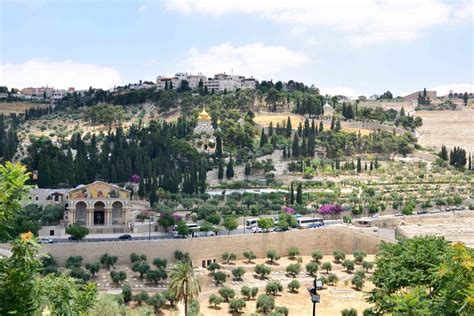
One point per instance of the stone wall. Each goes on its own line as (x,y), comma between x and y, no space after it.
(324,239)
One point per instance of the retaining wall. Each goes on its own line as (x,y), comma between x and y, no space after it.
(325,239)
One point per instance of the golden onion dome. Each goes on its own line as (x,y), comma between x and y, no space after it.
(204,116)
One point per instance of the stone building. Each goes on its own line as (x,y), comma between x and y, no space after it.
(204,133)
(100,206)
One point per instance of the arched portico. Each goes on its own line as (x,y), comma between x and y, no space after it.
(81,213)
(117,213)
(99,213)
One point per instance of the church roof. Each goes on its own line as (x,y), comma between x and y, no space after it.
(204,116)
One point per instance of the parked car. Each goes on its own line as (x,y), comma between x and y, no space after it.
(398,214)
(315,225)
(176,235)
(423,212)
(45,240)
(125,237)
(434,211)
(73,238)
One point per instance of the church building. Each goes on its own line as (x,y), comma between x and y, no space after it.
(100,206)
(204,133)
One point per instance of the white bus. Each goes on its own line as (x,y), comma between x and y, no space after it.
(251,223)
(191,226)
(308,222)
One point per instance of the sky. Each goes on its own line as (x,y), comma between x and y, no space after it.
(350,47)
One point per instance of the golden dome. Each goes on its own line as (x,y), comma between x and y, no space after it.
(204,116)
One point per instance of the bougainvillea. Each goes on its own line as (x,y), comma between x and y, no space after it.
(329,209)
(288,210)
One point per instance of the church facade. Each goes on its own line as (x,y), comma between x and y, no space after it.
(204,133)
(101,207)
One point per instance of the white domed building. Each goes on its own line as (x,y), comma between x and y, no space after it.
(204,133)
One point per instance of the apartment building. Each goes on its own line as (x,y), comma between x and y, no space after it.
(219,83)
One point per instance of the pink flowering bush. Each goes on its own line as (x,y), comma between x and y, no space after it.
(330,209)
(288,210)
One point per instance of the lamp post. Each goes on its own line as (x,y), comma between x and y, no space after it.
(315,297)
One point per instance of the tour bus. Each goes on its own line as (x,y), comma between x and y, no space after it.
(308,222)
(251,223)
(191,226)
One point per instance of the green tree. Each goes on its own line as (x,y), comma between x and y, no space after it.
(236,305)
(127,293)
(246,292)
(77,231)
(118,277)
(265,223)
(215,300)
(327,266)
(273,255)
(183,284)
(228,257)
(293,269)
(294,285)
(254,292)
(299,194)
(93,268)
(157,301)
(358,282)
(229,173)
(312,268)
(182,229)
(265,303)
(160,263)
(227,293)
(230,223)
(238,273)
(262,270)
(249,255)
(367,265)
(140,267)
(349,312)
(213,267)
(293,252)
(339,255)
(349,265)
(273,287)
(332,278)
(108,261)
(141,297)
(155,276)
(219,277)
(317,255)
(359,256)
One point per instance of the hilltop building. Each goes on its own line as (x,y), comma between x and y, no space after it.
(219,83)
(414,96)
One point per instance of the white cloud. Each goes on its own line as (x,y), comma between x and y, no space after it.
(255,59)
(361,22)
(58,74)
(455,87)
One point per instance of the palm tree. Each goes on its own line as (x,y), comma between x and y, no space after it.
(183,284)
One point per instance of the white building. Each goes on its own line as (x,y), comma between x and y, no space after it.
(219,83)
(45,197)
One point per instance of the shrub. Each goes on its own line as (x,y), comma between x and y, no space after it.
(349,265)
(312,268)
(293,269)
(358,282)
(262,270)
(228,257)
(349,312)
(254,292)
(77,231)
(273,287)
(93,268)
(238,273)
(273,255)
(215,300)
(134,257)
(317,255)
(118,277)
(74,262)
(127,293)
(338,256)
(219,277)
(141,297)
(213,267)
(80,274)
(155,276)
(157,301)
(265,303)
(249,255)
(160,263)
(282,310)
(367,265)
(236,305)
(359,256)
(294,285)
(293,252)
(361,273)
(226,293)
(327,266)
(246,292)
(108,261)
(141,267)
(332,279)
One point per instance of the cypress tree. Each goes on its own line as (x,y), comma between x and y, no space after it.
(230,169)
(359,165)
(141,188)
(247,168)
(218,147)
(292,194)
(321,126)
(295,147)
(270,129)
(299,194)
(333,121)
(338,128)
(220,171)
(263,138)
(443,153)
(288,128)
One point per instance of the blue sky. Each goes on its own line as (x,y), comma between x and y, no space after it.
(341,46)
